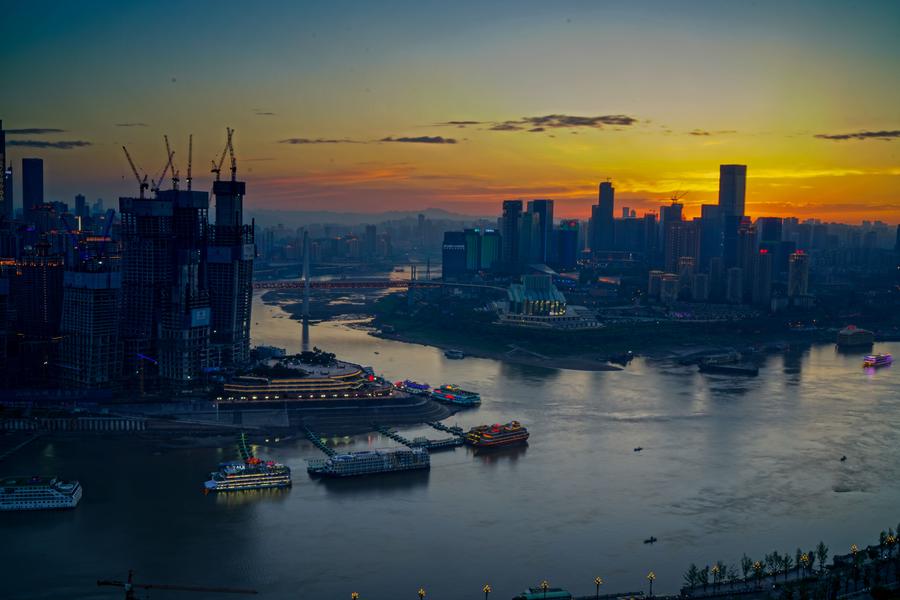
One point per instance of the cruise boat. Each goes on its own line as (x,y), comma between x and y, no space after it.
(877,360)
(251,474)
(494,436)
(38,493)
(370,462)
(411,387)
(453,394)
(455,354)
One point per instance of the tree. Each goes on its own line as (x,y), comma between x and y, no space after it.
(787,563)
(798,555)
(812,561)
(692,576)
(704,577)
(746,565)
(822,555)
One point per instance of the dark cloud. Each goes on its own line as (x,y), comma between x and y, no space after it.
(886,135)
(131,125)
(703,132)
(536,130)
(296,141)
(263,113)
(506,126)
(460,124)
(62,145)
(34,131)
(557,121)
(422,139)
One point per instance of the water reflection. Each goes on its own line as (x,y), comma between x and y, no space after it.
(241,497)
(375,485)
(493,456)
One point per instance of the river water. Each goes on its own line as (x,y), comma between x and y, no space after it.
(728,466)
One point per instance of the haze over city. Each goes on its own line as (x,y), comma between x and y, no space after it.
(368,107)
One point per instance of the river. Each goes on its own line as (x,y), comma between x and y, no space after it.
(728,466)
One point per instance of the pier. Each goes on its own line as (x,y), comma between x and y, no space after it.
(313,437)
(455,430)
(420,442)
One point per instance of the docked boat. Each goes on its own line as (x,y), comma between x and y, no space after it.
(251,474)
(38,493)
(371,462)
(412,387)
(452,394)
(729,369)
(494,436)
(877,360)
(852,336)
(455,354)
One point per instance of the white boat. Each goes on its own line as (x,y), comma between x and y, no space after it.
(38,493)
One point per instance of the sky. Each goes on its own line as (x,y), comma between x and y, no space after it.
(374,106)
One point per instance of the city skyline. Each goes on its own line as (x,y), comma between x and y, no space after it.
(349,108)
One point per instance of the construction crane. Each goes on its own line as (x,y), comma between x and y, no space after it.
(129,586)
(217,166)
(172,164)
(141,182)
(190,159)
(231,152)
(678,195)
(157,183)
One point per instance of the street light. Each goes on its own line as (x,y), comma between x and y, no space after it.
(598,581)
(354,595)
(545,586)
(421,593)
(487,590)
(651,576)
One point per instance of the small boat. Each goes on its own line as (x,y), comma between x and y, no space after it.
(412,387)
(639,448)
(877,360)
(650,540)
(453,394)
(454,354)
(844,458)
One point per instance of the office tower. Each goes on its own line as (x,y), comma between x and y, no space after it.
(509,232)
(453,254)
(97,207)
(37,294)
(527,239)
(630,235)
(734,287)
(710,234)
(700,287)
(769,229)
(370,243)
(9,210)
(89,354)
(819,240)
(32,184)
(682,240)
(81,210)
(473,249)
(762,278)
(798,275)
(651,238)
(668,214)
(746,253)
(567,245)
(716,278)
(230,273)
(732,189)
(602,221)
(542,215)
(5,202)
(491,247)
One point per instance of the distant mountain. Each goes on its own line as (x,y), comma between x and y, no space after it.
(299,218)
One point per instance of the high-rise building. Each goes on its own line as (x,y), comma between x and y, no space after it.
(230,270)
(491,246)
(769,229)
(473,249)
(602,221)
(81,209)
(762,278)
(5,203)
(668,214)
(734,286)
(710,234)
(732,189)
(798,274)
(527,243)
(370,243)
(453,254)
(567,245)
(682,240)
(511,222)
(700,287)
(542,215)
(8,200)
(32,185)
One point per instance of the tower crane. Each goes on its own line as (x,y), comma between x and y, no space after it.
(141,182)
(217,166)
(169,151)
(231,152)
(129,586)
(157,183)
(678,195)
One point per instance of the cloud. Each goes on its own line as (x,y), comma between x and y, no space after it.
(131,125)
(296,141)
(886,135)
(536,130)
(703,132)
(558,121)
(34,131)
(506,126)
(62,145)
(263,113)
(460,124)
(422,139)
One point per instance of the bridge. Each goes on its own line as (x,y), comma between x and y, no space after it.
(364,284)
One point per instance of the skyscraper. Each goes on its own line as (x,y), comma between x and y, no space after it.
(510,223)
(490,249)
(473,249)
(453,254)
(710,234)
(32,185)
(542,211)
(762,278)
(81,206)
(8,200)
(732,189)
(682,240)
(667,215)
(567,245)
(798,274)
(602,221)
(5,203)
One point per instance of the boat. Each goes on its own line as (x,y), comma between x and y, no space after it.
(852,336)
(650,540)
(877,360)
(453,394)
(371,462)
(494,436)
(251,474)
(412,387)
(639,448)
(455,354)
(38,493)
(728,369)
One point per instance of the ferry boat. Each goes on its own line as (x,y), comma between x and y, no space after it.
(38,493)
(251,474)
(455,354)
(493,436)
(877,360)
(370,462)
(411,387)
(453,394)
